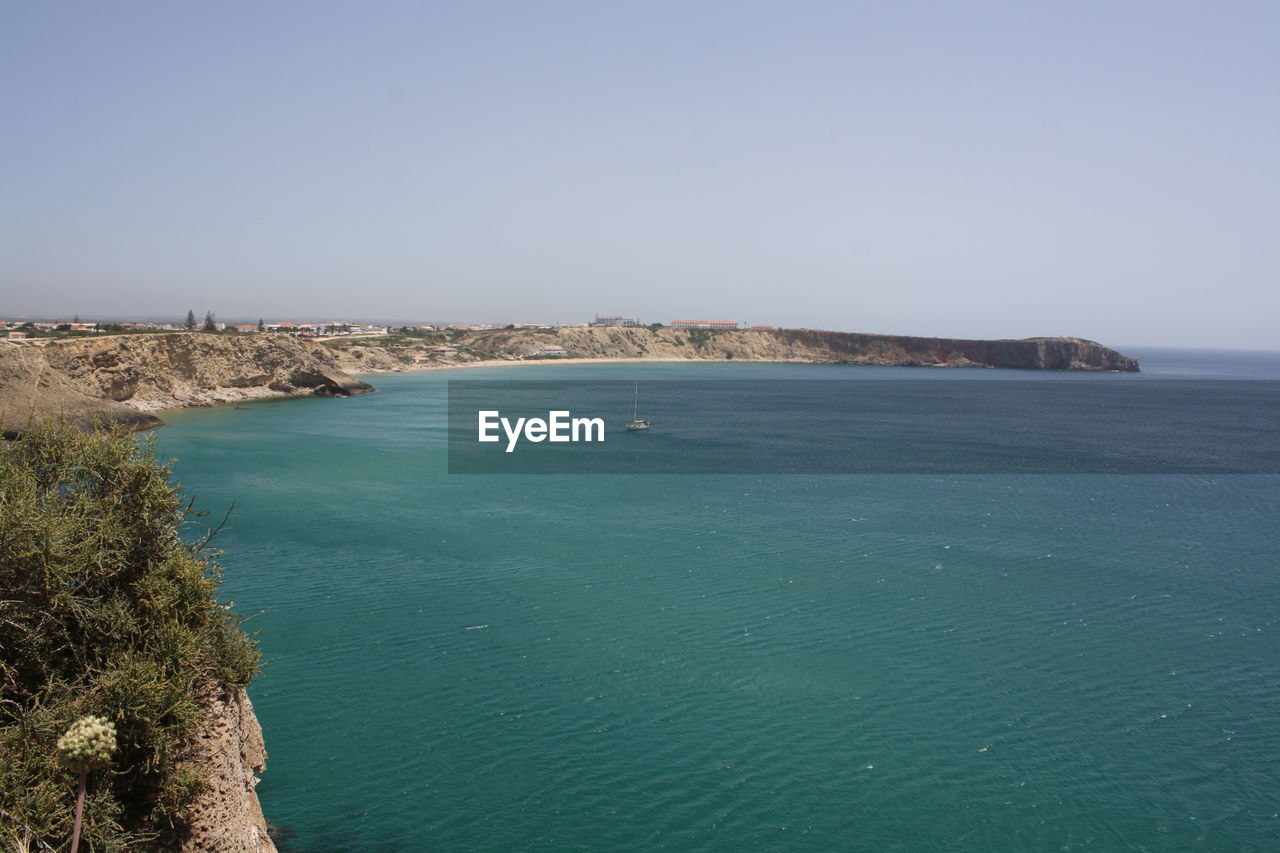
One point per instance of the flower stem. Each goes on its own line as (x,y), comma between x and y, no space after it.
(75,834)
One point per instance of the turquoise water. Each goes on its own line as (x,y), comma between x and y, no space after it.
(729,663)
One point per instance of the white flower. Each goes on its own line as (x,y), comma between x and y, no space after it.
(87,744)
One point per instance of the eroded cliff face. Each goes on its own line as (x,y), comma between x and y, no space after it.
(1027,354)
(30,386)
(777,345)
(227,817)
(819,347)
(123,378)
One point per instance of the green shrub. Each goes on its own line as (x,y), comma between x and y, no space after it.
(105,611)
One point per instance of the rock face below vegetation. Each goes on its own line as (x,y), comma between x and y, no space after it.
(227,817)
(124,378)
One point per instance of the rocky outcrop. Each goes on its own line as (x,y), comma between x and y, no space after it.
(227,817)
(29,387)
(1027,354)
(776,345)
(371,358)
(123,378)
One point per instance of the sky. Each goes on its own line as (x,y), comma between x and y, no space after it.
(1106,170)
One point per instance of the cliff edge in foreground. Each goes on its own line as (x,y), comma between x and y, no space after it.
(124,378)
(105,612)
(226,815)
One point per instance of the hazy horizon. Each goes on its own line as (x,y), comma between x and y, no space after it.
(991,170)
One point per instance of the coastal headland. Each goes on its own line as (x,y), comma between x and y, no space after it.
(125,379)
(643,343)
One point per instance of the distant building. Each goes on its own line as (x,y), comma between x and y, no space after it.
(763,326)
(704,324)
(15,335)
(552,351)
(615,321)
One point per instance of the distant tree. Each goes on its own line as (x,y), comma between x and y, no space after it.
(209,325)
(655,326)
(262,327)
(191,321)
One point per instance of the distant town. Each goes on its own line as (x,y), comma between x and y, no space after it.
(21,328)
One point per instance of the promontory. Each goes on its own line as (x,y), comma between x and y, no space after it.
(446,347)
(127,378)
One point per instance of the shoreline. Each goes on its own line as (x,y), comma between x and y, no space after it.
(500,362)
(230,396)
(250,397)
(237,396)
(130,378)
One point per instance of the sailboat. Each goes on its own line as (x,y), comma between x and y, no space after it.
(637,422)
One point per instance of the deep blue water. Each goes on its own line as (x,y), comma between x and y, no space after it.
(744,662)
(828,426)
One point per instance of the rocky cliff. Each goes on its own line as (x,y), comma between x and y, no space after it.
(124,378)
(227,817)
(779,345)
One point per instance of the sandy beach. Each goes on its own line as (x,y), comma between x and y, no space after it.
(498,362)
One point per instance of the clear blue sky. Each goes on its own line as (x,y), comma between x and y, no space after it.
(978,169)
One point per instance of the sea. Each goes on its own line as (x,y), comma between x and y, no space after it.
(745,661)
